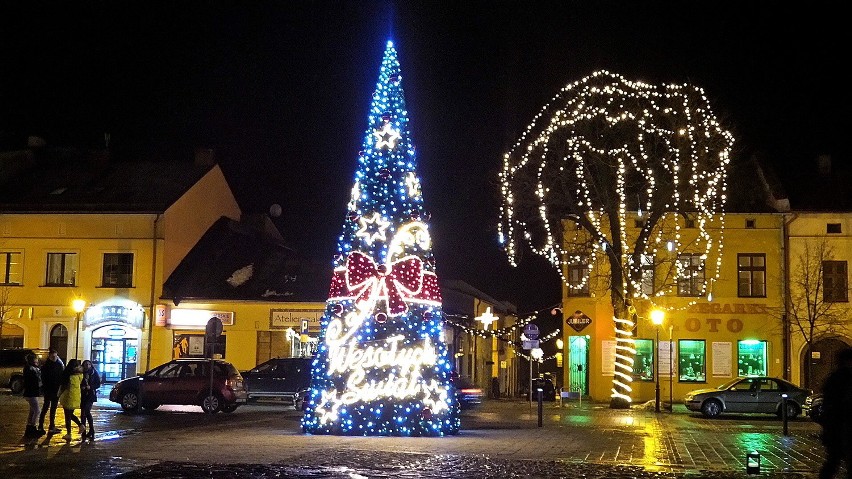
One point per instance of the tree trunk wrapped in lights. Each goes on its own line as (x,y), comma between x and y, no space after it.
(382,365)
(620,178)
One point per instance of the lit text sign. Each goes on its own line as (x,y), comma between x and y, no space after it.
(97,315)
(292,318)
(197,318)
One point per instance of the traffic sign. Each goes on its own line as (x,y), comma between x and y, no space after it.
(531,344)
(531,331)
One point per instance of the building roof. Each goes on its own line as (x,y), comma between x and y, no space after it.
(72,180)
(237,262)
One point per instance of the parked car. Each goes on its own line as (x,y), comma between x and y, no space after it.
(183,381)
(12,363)
(467,394)
(548,390)
(813,407)
(746,395)
(287,379)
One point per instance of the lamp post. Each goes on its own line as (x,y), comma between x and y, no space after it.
(79,305)
(657,317)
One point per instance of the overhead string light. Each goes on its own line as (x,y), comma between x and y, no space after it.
(570,181)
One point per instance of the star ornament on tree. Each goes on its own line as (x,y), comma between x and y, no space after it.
(386,136)
(373,228)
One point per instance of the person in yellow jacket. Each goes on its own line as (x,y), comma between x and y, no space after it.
(70,397)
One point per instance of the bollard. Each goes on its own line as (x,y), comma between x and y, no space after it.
(784,412)
(540,405)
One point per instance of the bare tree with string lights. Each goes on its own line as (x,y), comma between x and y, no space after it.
(621,178)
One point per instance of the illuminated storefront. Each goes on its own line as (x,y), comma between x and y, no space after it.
(113,330)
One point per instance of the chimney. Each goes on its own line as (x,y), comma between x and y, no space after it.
(205,157)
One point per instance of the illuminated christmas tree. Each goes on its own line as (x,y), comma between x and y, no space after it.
(382,365)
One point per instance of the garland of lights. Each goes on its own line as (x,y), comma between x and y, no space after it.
(660,154)
(382,366)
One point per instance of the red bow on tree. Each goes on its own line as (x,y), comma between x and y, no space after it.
(399,281)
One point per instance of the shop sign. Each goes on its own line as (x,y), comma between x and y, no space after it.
(295,319)
(578,321)
(160,318)
(197,318)
(101,314)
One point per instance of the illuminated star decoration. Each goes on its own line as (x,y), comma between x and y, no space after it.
(386,136)
(487,318)
(413,184)
(373,228)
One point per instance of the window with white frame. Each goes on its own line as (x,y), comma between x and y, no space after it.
(61,269)
(11,267)
(118,270)
(691,274)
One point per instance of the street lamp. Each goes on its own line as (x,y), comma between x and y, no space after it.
(657,317)
(79,305)
(487,318)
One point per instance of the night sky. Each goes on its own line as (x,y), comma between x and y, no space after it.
(281,89)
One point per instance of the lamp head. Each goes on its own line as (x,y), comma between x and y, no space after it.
(79,305)
(657,316)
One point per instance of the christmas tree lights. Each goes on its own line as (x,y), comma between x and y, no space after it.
(382,365)
(621,177)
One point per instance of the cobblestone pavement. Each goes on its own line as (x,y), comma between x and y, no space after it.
(501,439)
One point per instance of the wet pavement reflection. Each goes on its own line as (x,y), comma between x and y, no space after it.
(389,465)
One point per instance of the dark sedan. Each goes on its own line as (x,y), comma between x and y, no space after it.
(748,394)
(287,379)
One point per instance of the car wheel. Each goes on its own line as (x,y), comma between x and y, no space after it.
(792,410)
(230,407)
(17,385)
(711,408)
(211,403)
(816,414)
(130,401)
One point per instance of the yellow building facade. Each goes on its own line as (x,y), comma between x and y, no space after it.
(722,327)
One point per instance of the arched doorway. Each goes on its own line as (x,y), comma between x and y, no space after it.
(823,360)
(59,340)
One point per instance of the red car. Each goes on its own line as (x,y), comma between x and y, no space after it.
(183,381)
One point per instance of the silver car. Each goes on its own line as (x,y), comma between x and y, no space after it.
(748,394)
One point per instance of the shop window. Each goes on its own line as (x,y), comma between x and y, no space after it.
(578,278)
(643,368)
(751,275)
(834,282)
(691,357)
(118,270)
(61,269)
(11,267)
(690,281)
(751,358)
(191,345)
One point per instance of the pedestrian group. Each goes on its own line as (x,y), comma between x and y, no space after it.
(74,386)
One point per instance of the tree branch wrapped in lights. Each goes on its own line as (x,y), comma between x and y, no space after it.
(609,175)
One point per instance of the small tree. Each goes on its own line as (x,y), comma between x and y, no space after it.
(813,310)
(5,308)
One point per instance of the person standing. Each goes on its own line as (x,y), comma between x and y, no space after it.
(89,395)
(32,391)
(837,418)
(51,377)
(69,396)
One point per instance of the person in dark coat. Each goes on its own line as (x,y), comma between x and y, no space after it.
(51,377)
(32,391)
(837,418)
(89,395)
